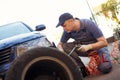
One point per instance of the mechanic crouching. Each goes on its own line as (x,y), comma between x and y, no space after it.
(86,33)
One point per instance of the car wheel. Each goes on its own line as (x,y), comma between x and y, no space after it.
(44,64)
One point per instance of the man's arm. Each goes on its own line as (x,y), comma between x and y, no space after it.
(101,42)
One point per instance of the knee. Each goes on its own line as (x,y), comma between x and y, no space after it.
(68,46)
(64,45)
(105,68)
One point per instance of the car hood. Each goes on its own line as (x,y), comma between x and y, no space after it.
(8,42)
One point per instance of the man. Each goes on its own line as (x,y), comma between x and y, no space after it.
(90,37)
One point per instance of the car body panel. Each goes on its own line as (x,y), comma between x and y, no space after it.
(15,39)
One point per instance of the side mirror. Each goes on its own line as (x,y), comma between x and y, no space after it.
(40,27)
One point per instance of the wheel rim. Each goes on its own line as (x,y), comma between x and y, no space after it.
(53,68)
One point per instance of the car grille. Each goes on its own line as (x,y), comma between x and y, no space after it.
(5,56)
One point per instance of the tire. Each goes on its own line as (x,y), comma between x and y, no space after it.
(44,64)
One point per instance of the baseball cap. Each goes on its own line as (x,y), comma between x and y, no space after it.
(63,18)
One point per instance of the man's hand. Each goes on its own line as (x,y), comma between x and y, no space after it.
(61,49)
(59,46)
(85,48)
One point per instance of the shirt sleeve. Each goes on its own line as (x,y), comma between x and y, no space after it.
(94,29)
(65,37)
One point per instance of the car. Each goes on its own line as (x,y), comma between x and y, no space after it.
(26,54)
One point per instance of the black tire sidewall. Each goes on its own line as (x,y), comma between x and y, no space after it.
(15,71)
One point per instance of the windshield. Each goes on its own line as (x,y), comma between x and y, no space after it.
(13,29)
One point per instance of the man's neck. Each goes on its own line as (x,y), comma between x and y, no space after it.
(77,25)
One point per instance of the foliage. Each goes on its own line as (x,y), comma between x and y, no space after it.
(110,6)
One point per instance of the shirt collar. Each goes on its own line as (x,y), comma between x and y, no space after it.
(82,25)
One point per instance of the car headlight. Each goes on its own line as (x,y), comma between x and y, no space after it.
(40,42)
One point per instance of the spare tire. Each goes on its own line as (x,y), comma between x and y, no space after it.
(44,64)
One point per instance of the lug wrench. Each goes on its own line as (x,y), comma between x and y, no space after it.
(76,46)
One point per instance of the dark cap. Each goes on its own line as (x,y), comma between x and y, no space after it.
(63,18)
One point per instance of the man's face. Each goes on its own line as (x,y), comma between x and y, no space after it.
(68,25)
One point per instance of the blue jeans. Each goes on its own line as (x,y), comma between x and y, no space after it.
(105,65)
